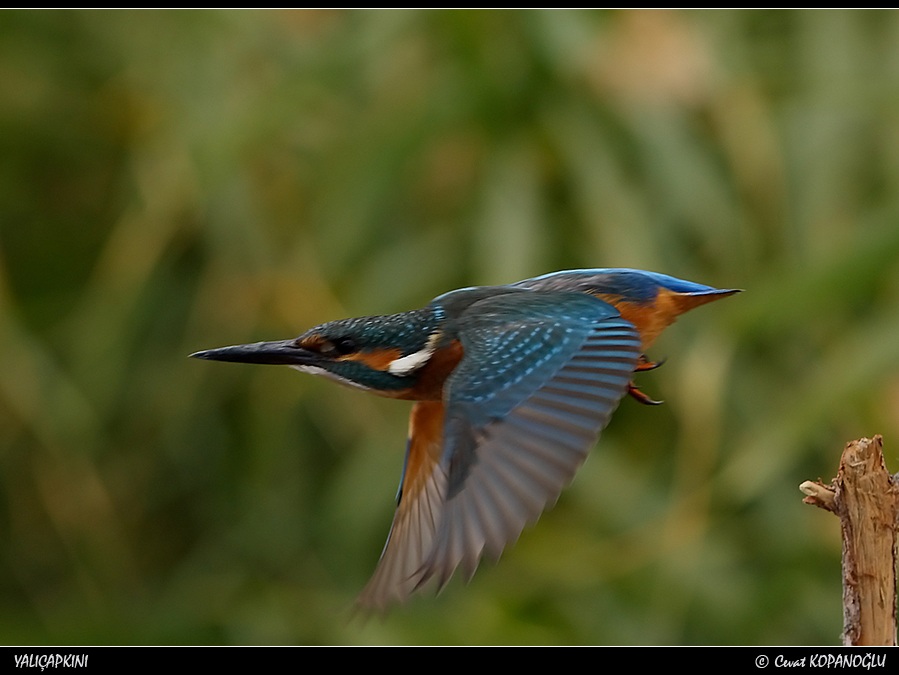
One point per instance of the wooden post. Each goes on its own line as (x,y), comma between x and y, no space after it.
(866,498)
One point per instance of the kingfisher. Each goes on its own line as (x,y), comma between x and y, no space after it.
(511,388)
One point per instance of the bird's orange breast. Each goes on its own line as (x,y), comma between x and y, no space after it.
(425,444)
(651,318)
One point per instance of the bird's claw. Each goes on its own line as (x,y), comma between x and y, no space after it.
(645,364)
(640,396)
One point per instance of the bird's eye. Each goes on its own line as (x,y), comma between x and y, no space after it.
(338,347)
(345,345)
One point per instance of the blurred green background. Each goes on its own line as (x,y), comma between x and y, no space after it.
(173,181)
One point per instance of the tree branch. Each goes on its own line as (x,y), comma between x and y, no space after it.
(866,499)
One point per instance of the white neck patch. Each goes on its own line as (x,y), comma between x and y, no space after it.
(412,362)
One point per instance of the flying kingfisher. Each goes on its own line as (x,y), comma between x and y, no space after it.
(512,385)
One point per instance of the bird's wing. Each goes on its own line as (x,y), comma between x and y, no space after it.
(541,374)
(419,508)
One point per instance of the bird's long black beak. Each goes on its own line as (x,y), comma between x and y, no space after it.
(283,352)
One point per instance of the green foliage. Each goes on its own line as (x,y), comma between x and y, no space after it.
(179,180)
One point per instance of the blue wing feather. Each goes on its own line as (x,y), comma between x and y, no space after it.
(541,374)
(635,284)
(522,414)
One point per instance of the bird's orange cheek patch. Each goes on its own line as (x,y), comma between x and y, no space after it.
(376,359)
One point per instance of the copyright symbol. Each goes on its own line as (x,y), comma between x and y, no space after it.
(761,661)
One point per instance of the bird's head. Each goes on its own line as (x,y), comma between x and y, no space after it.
(382,354)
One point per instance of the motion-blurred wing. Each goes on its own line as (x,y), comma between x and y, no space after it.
(419,508)
(542,373)
(540,378)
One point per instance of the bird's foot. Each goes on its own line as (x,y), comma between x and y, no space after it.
(640,396)
(645,364)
